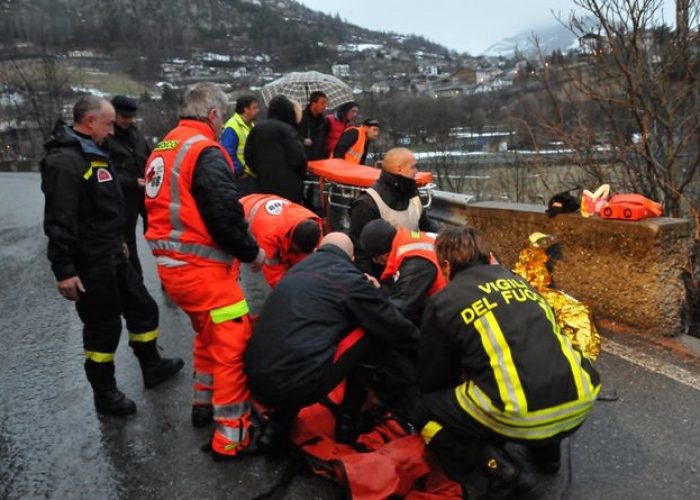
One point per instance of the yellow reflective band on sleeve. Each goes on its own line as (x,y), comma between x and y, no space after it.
(99,357)
(230,312)
(93,165)
(428,432)
(143,337)
(509,387)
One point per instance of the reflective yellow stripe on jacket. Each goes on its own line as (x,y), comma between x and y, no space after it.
(515,420)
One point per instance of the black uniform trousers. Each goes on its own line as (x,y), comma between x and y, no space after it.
(134,207)
(113,289)
(368,363)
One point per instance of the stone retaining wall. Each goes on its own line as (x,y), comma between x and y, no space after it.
(629,272)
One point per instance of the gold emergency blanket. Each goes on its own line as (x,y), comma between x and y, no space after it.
(573,316)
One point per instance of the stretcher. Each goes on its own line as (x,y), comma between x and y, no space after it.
(341,181)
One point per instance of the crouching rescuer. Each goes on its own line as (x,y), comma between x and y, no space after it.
(196,228)
(495,368)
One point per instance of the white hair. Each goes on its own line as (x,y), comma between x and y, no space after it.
(200,98)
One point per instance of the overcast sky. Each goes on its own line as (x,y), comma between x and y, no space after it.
(463,25)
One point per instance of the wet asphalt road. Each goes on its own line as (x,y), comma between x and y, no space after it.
(53,445)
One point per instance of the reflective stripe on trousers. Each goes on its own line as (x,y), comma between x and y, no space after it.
(144,336)
(231,411)
(235,435)
(100,357)
(205,379)
(203,397)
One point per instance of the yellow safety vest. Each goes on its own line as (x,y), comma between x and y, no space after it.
(242,129)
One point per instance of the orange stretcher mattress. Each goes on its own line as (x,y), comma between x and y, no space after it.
(344,172)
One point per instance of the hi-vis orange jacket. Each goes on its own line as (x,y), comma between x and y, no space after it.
(272,220)
(408,244)
(354,154)
(175,228)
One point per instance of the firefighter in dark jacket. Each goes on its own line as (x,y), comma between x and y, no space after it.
(274,153)
(128,152)
(410,270)
(394,198)
(495,367)
(84,221)
(308,339)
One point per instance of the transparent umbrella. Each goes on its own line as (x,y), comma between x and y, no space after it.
(299,85)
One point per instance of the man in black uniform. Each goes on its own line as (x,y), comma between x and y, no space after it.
(128,152)
(84,221)
(294,358)
(495,367)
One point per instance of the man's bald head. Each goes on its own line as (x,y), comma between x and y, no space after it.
(341,240)
(94,116)
(400,161)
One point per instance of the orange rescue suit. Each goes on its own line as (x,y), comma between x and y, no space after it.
(197,275)
(272,220)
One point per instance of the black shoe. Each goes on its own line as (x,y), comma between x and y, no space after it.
(274,437)
(507,477)
(547,459)
(160,371)
(202,415)
(114,402)
(346,428)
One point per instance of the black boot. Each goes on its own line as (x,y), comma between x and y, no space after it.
(202,415)
(155,369)
(547,458)
(274,436)
(108,399)
(507,477)
(347,421)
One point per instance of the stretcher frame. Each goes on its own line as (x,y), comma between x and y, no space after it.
(340,182)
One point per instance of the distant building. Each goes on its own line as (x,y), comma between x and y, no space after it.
(486,75)
(380,88)
(340,70)
(428,69)
(465,75)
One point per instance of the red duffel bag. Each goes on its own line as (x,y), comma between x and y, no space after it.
(631,207)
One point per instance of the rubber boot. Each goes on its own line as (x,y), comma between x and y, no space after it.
(202,415)
(154,368)
(274,437)
(508,478)
(547,458)
(347,422)
(108,399)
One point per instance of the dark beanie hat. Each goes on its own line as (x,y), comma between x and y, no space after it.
(377,237)
(345,107)
(125,106)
